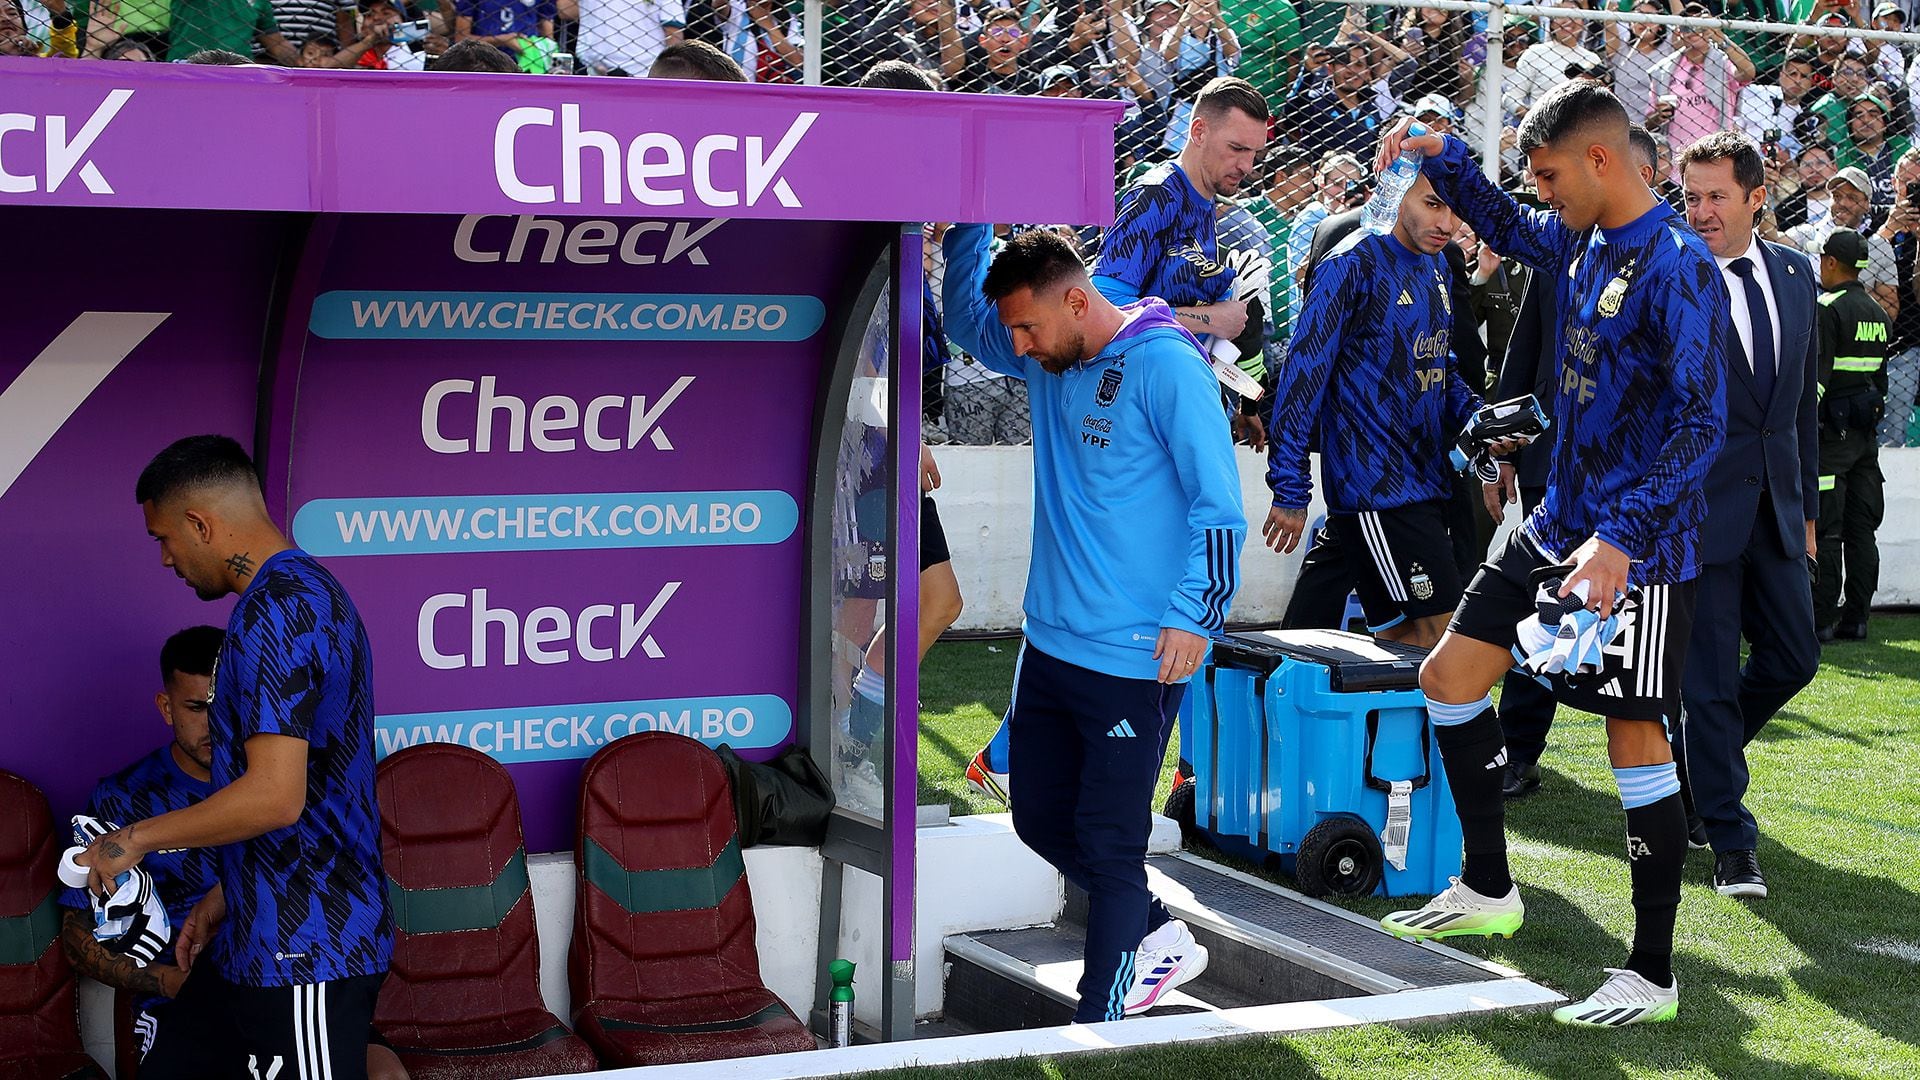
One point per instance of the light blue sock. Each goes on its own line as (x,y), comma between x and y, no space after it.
(1445,714)
(1644,785)
(871,685)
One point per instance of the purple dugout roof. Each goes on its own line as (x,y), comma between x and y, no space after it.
(97,133)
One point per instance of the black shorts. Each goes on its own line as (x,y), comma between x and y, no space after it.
(1641,677)
(933,537)
(218,1029)
(1401,560)
(868,579)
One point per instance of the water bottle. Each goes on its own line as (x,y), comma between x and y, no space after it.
(840,1007)
(1383,209)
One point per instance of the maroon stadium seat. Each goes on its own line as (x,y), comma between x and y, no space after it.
(663,964)
(463,998)
(39,1004)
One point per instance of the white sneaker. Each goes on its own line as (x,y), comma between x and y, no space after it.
(1625,998)
(1458,912)
(1156,971)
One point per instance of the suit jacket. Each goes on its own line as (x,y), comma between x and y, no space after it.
(1771,446)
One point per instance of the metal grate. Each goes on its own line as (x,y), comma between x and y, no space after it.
(1356,942)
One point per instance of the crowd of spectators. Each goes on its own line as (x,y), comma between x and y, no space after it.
(1834,112)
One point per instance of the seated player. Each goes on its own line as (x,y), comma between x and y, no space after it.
(173,776)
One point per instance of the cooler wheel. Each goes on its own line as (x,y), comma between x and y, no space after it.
(1339,857)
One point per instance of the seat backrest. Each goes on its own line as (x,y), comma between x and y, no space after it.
(464,940)
(39,1006)
(663,906)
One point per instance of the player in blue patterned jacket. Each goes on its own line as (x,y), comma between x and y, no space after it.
(1640,405)
(1372,372)
(304,933)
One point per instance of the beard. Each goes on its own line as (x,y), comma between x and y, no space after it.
(202,758)
(1070,353)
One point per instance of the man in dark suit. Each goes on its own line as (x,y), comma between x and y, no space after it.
(1762,504)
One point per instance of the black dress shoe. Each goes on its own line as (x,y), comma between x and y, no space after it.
(1696,832)
(1851,631)
(1521,780)
(1737,873)
(1825,634)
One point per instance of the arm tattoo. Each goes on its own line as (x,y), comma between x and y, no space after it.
(1200,317)
(240,564)
(112,847)
(90,958)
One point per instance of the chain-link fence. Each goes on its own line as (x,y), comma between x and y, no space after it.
(1829,88)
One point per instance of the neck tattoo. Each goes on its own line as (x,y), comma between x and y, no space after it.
(241,564)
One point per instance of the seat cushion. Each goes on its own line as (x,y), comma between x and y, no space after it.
(693,1027)
(494,1048)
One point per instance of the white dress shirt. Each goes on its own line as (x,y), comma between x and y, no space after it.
(1737,288)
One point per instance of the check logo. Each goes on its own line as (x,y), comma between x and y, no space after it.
(53,385)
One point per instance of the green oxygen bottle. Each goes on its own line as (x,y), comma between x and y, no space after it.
(840,1007)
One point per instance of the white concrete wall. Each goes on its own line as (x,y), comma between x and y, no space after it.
(986,505)
(1900,534)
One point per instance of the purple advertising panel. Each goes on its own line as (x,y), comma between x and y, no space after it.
(125,330)
(561,466)
(106,134)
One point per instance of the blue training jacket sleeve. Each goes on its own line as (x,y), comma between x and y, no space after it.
(1185,407)
(1115,290)
(1301,386)
(1535,237)
(1671,496)
(972,322)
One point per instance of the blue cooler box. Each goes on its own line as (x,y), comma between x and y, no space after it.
(1300,740)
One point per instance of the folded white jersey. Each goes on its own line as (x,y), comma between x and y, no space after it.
(132,922)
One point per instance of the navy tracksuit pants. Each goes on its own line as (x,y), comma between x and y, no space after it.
(1087,749)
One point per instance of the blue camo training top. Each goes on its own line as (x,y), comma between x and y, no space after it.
(1641,403)
(1372,370)
(306,903)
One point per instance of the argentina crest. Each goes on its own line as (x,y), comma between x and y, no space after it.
(1615,293)
(1109,385)
(1419,582)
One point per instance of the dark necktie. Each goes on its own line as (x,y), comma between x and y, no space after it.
(1758,312)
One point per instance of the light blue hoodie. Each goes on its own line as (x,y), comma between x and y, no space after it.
(1136,512)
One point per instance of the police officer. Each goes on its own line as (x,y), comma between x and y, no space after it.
(1853,384)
